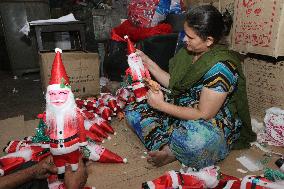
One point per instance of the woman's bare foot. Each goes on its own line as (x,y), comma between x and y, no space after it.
(161,157)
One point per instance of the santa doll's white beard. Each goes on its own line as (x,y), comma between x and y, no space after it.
(136,66)
(60,114)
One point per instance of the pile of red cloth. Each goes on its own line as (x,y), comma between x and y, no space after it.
(136,33)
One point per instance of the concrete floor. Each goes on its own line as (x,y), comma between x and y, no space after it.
(24,96)
(20,95)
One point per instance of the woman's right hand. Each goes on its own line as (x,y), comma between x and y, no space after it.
(44,168)
(145,59)
(159,74)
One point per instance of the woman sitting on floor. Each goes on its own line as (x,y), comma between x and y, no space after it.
(207,113)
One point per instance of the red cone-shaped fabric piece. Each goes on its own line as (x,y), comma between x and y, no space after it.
(13,146)
(104,125)
(38,153)
(173,179)
(10,163)
(93,136)
(110,157)
(229,182)
(58,72)
(130,47)
(98,131)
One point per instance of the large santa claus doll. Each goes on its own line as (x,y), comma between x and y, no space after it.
(65,124)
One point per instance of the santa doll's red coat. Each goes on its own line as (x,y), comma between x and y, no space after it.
(67,139)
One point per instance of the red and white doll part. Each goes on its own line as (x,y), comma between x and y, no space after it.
(63,119)
(137,71)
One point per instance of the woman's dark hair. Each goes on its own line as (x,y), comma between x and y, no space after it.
(207,21)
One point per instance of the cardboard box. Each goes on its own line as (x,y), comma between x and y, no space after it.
(81,67)
(227,5)
(189,3)
(265,85)
(258,27)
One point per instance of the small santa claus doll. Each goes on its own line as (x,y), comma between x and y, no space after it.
(137,71)
(65,124)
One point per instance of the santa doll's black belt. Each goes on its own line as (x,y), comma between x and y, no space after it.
(63,140)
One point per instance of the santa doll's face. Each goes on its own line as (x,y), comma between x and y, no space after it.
(58,97)
(60,102)
(134,57)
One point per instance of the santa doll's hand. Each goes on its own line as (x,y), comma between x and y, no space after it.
(76,179)
(155,99)
(44,168)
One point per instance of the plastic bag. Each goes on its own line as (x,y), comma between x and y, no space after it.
(145,13)
(274,127)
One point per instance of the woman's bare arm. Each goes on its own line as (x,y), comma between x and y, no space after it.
(209,104)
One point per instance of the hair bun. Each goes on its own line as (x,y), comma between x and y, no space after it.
(228,21)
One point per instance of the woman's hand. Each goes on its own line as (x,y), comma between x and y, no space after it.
(44,168)
(155,99)
(76,179)
(161,76)
(145,59)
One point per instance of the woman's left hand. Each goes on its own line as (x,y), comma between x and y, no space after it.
(155,99)
(44,168)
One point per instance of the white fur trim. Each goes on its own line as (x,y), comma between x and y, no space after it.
(87,124)
(229,184)
(245,180)
(151,185)
(174,177)
(55,184)
(138,86)
(94,156)
(45,145)
(64,150)
(18,146)
(25,153)
(74,167)
(83,143)
(140,99)
(126,37)
(209,180)
(8,147)
(58,50)
(1,172)
(60,170)
(57,87)
(124,160)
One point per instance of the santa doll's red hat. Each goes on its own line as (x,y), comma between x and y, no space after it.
(109,157)
(58,72)
(130,47)
(102,155)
